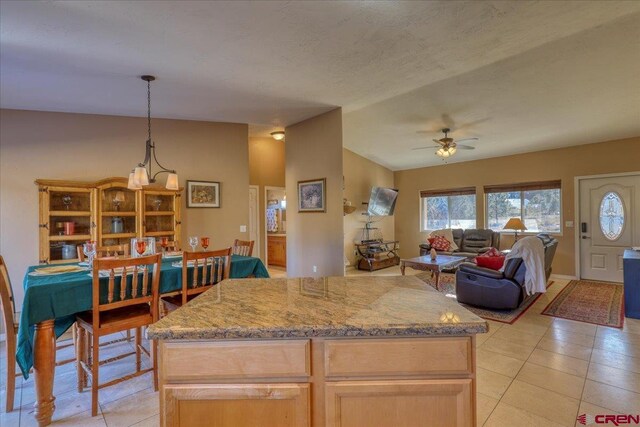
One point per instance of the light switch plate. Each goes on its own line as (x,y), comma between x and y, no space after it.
(243,228)
(568,224)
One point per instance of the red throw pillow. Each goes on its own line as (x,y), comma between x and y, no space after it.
(493,252)
(440,244)
(430,240)
(492,262)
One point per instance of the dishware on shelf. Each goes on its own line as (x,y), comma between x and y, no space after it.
(69,228)
(118,198)
(66,201)
(193,242)
(156,204)
(117,225)
(89,249)
(204,242)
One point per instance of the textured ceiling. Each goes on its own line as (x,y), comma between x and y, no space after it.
(274,63)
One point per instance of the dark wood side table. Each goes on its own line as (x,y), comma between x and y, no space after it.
(425,263)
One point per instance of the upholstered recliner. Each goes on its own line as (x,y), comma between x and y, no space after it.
(471,242)
(499,290)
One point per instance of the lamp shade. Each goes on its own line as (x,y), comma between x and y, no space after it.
(131,185)
(514,224)
(119,197)
(172,181)
(140,176)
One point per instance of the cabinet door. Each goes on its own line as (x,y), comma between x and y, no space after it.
(237,405)
(434,403)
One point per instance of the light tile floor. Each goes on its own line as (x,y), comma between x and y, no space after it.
(540,371)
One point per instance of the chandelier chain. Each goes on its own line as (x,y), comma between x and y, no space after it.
(149,109)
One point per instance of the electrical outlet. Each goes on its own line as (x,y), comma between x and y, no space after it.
(315,268)
(243,228)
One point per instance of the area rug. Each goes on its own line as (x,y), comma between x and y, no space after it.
(447,286)
(599,303)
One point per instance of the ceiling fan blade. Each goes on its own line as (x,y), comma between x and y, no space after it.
(424,148)
(465,147)
(438,142)
(467,139)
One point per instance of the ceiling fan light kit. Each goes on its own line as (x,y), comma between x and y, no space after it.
(447,147)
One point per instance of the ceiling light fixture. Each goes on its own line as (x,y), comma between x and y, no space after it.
(278,135)
(141,175)
(446,151)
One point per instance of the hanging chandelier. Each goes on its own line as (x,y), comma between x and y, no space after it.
(142,174)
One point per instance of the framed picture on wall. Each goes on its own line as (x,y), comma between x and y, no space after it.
(203,194)
(311,195)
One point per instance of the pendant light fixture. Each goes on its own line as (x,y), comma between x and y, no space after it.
(142,174)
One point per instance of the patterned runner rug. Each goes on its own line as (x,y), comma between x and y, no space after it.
(447,286)
(592,302)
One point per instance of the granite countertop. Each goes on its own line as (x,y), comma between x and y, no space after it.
(322,307)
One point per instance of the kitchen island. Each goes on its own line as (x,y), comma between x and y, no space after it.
(337,351)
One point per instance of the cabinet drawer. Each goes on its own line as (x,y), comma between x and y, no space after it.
(205,361)
(398,357)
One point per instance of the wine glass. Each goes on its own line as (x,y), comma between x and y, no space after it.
(204,241)
(89,249)
(164,242)
(193,242)
(66,201)
(141,246)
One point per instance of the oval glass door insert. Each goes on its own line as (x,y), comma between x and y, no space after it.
(611,215)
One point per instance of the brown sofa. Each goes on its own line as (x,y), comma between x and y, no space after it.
(471,242)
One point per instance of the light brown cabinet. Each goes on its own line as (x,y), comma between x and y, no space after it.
(346,382)
(277,250)
(72,212)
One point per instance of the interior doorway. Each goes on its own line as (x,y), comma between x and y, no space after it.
(254,218)
(609,223)
(275,226)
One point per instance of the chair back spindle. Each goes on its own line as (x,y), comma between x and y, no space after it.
(208,268)
(243,247)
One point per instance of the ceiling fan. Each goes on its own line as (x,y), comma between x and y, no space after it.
(447,147)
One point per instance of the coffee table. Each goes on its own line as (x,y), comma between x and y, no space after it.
(425,263)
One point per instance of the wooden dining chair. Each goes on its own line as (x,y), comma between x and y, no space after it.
(243,247)
(208,268)
(11,330)
(107,251)
(126,301)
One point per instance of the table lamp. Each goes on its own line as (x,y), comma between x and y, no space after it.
(514,224)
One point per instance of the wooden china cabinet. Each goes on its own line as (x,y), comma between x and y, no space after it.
(72,212)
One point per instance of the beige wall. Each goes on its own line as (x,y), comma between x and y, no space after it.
(314,150)
(360,174)
(266,168)
(89,147)
(563,164)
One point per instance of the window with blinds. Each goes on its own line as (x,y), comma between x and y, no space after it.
(452,208)
(538,204)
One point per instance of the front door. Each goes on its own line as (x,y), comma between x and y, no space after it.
(609,224)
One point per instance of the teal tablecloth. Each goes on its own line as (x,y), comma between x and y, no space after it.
(61,296)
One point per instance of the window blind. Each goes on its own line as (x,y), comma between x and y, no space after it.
(466,191)
(525,186)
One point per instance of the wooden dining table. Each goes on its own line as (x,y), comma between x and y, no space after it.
(51,303)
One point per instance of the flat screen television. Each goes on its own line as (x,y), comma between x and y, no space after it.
(382,201)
